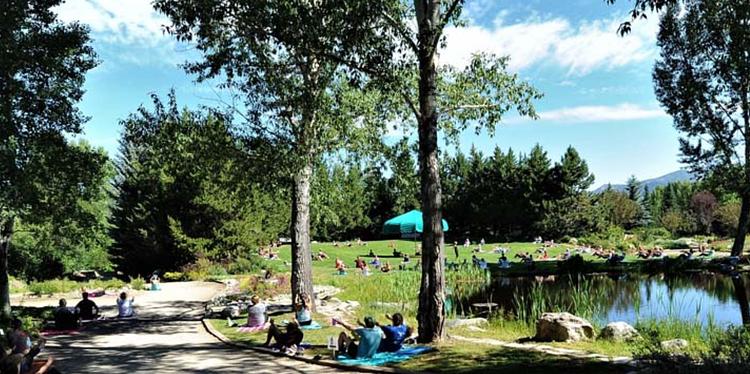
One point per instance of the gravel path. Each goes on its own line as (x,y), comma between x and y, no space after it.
(168,337)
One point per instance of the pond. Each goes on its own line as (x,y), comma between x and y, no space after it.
(699,297)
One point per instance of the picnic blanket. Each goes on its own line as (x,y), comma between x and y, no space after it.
(383,358)
(312,326)
(251,329)
(53,332)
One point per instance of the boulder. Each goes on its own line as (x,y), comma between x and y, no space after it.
(563,327)
(619,332)
(674,345)
(466,322)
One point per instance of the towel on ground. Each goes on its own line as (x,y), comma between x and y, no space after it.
(251,329)
(383,358)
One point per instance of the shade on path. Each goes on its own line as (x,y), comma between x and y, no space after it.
(407,224)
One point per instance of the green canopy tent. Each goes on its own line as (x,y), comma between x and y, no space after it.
(408,225)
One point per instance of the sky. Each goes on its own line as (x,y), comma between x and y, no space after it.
(598,92)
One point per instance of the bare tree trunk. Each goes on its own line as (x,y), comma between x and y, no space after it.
(739,238)
(302,283)
(431,313)
(6,233)
(740,293)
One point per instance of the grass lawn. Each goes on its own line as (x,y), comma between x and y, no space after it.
(397,291)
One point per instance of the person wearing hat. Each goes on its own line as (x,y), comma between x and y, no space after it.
(369,336)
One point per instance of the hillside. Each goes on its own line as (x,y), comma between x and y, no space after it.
(676,176)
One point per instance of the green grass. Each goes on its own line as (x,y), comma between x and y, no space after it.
(58,286)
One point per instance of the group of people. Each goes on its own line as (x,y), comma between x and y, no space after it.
(21,358)
(268,253)
(358,242)
(371,337)
(656,252)
(67,317)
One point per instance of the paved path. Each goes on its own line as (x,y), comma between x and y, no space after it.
(167,338)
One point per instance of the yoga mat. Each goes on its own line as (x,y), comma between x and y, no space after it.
(383,358)
(313,326)
(60,332)
(251,329)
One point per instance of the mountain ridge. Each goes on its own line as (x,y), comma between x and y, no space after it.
(681,175)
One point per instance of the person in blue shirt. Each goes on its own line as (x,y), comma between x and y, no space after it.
(395,334)
(369,337)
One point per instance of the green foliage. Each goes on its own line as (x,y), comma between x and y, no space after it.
(677,222)
(174,276)
(187,188)
(509,197)
(52,286)
(137,283)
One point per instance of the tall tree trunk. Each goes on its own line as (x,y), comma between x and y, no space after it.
(431,314)
(302,283)
(6,234)
(739,238)
(740,293)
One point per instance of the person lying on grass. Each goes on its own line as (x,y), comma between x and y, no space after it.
(289,339)
(375,262)
(89,310)
(256,313)
(368,334)
(394,334)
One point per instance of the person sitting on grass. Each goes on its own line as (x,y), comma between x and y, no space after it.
(87,308)
(339,264)
(369,337)
(289,339)
(394,334)
(21,359)
(366,270)
(503,262)
(375,262)
(386,267)
(66,318)
(302,311)
(565,256)
(359,263)
(544,254)
(371,254)
(396,253)
(482,264)
(125,306)
(474,260)
(256,313)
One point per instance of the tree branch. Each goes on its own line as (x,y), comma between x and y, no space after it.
(404,34)
(444,22)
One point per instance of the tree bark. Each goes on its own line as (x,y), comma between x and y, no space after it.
(6,234)
(740,293)
(739,238)
(431,313)
(302,283)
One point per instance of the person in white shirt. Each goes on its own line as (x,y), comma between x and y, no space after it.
(125,306)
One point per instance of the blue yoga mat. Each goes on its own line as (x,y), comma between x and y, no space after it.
(312,326)
(383,358)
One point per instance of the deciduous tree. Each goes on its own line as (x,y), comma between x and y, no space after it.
(43,62)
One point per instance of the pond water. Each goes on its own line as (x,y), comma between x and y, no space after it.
(697,297)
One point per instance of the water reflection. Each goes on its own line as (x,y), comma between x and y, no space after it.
(700,297)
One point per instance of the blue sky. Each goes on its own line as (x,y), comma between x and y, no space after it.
(597,85)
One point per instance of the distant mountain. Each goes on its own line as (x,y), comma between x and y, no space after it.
(676,176)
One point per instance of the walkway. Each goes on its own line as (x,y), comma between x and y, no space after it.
(167,338)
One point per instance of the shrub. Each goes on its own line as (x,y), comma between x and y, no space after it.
(243,265)
(203,269)
(174,276)
(53,286)
(110,284)
(729,352)
(137,283)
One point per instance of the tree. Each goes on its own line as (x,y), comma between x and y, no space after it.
(47,247)
(449,99)
(42,67)
(703,205)
(703,81)
(286,59)
(188,188)
(633,189)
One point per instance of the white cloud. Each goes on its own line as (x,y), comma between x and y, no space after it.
(132,27)
(602,113)
(579,48)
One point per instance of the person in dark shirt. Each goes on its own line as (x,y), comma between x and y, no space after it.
(65,317)
(395,334)
(87,308)
(292,337)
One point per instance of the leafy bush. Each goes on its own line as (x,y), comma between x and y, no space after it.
(174,276)
(53,286)
(673,244)
(109,284)
(137,283)
(203,269)
(264,289)
(243,265)
(729,352)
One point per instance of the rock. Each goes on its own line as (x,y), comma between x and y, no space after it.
(674,345)
(466,322)
(563,327)
(476,328)
(619,332)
